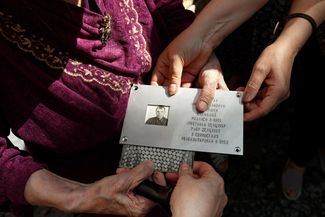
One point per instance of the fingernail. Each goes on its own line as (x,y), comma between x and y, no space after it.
(172,89)
(154,83)
(147,163)
(202,106)
(155,176)
(184,167)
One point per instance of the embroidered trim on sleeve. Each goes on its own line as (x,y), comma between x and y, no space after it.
(60,60)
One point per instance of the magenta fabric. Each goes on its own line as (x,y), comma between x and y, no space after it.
(63,93)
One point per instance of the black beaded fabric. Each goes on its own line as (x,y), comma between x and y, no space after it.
(164,159)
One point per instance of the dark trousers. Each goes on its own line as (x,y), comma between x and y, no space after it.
(307,90)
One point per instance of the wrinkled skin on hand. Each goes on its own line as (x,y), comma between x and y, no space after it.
(114,194)
(109,195)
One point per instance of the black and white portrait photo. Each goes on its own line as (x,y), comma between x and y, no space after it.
(157,115)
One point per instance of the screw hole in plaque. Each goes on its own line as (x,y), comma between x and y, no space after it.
(237,149)
(124,139)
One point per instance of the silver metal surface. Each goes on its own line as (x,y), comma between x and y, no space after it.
(218,130)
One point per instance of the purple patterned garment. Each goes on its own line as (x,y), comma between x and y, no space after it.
(63,91)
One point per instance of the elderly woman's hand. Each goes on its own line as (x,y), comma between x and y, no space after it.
(110,195)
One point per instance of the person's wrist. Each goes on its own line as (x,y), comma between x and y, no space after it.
(212,37)
(75,200)
(285,44)
(33,192)
(190,210)
(209,36)
(180,212)
(85,199)
(189,213)
(279,26)
(294,34)
(44,188)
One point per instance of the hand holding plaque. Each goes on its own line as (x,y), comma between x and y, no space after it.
(168,129)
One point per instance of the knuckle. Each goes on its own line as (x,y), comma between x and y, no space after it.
(260,69)
(252,85)
(286,94)
(119,184)
(264,112)
(175,76)
(225,200)
(207,95)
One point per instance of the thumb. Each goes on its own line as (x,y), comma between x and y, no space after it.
(141,172)
(185,170)
(206,97)
(254,83)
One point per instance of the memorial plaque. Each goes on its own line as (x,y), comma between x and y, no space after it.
(155,119)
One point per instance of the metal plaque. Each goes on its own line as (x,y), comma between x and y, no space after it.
(155,119)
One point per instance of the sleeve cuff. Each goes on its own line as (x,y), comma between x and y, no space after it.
(18,173)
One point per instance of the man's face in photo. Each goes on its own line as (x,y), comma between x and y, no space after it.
(160,112)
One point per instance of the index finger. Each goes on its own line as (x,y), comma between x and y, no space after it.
(175,74)
(141,172)
(257,110)
(159,75)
